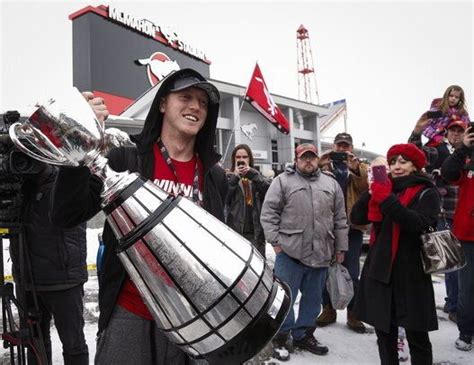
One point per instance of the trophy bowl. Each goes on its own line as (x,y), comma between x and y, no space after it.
(63,131)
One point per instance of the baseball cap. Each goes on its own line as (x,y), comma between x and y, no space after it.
(458,123)
(305,147)
(183,80)
(343,137)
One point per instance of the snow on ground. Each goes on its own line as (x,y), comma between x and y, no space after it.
(345,346)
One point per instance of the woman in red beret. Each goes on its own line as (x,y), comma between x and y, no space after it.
(394,290)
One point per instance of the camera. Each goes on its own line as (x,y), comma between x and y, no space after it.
(15,168)
(434,114)
(338,156)
(240,163)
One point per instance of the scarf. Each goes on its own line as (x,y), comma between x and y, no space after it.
(406,189)
(248,198)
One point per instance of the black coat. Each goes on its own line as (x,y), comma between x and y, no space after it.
(235,204)
(57,255)
(77,192)
(404,296)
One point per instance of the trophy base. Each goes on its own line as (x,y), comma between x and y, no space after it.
(264,327)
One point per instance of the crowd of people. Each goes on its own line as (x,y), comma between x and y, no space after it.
(313,214)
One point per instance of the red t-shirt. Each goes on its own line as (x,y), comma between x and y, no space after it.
(129,298)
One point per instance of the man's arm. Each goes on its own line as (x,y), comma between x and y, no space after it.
(358,177)
(76,193)
(233,184)
(271,211)
(261,183)
(341,228)
(451,169)
(75,197)
(420,125)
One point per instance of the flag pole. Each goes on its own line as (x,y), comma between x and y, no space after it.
(233,129)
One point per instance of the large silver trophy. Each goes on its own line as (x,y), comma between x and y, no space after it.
(207,288)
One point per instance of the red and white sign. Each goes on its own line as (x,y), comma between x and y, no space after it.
(259,97)
(158,66)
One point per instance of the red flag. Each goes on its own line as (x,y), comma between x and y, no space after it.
(259,97)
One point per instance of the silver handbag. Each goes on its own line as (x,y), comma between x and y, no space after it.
(441,252)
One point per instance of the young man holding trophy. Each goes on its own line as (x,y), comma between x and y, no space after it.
(175,150)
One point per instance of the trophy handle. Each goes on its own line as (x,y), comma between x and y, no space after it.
(49,153)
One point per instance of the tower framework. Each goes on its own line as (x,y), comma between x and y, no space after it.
(307,86)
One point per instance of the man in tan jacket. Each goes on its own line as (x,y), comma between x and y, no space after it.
(351,174)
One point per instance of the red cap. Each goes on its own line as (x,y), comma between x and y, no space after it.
(458,123)
(305,147)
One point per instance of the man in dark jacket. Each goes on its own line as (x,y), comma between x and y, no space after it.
(459,169)
(448,192)
(247,189)
(176,150)
(58,270)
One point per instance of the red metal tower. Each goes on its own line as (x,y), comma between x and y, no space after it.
(307,87)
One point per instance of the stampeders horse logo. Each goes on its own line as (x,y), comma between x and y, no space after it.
(158,65)
(249,130)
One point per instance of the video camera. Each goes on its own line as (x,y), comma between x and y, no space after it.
(15,167)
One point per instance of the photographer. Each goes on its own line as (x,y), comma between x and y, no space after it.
(58,269)
(453,139)
(351,174)
(247,189)
(459,169)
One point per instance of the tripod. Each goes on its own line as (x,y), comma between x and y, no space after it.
(23,331)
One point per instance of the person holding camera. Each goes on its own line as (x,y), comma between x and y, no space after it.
(247,189)
(452,106)
(57,258)
(459,170)
(351,174)
(394,290)
(453,140)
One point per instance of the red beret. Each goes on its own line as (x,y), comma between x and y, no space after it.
(410,152)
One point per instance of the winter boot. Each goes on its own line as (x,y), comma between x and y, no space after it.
(464,343)
(282,346)
(311,344)
(354,324)
(327,316)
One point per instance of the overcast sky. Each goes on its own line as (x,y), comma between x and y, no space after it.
(387,59)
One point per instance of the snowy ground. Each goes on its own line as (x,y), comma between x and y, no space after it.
(345,346)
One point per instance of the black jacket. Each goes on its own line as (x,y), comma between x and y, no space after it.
(77,192)
(404,295)
(57,256)
(235,204)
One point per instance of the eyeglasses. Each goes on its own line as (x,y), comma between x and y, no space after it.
(307,157)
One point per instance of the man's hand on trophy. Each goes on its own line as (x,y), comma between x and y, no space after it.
(97,105)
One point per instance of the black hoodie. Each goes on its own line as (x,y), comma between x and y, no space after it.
(77,193)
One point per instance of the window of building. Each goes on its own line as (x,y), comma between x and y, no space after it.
(274,151)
